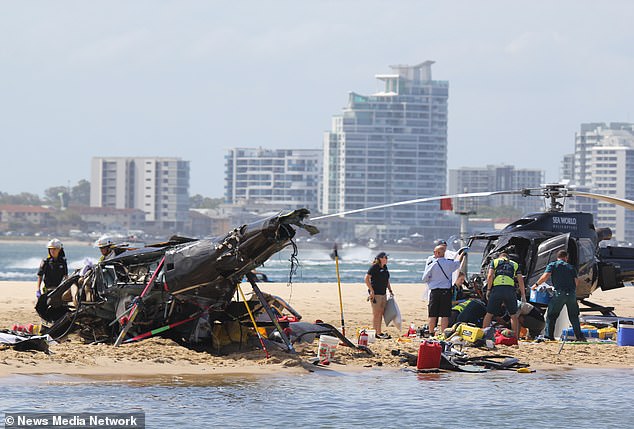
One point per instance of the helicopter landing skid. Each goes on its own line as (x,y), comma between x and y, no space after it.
(591,306)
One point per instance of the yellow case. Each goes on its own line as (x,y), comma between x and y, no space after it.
(470,333)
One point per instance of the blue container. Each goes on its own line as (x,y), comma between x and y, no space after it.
(588,333)
(540,297)
(625,335)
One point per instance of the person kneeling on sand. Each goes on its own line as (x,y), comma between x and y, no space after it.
(377,280)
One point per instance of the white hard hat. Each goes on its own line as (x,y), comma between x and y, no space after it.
(55,244)
(104,241)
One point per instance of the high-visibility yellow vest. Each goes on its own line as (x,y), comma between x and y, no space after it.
(504,272)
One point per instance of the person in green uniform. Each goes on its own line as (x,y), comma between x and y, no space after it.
(565,281)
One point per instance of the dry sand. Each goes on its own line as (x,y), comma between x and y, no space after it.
(158,356)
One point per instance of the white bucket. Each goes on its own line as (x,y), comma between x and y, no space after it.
(371,335)
(327,346)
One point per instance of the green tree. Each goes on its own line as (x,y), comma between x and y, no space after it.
(52,195)
(23,198)
(199,202)
(69,219)
(80,193)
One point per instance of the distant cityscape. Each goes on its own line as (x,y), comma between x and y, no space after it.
(382,148)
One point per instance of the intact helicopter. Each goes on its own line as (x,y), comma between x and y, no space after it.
(534,240)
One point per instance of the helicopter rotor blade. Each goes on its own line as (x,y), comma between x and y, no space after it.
(420,200)
(628,204)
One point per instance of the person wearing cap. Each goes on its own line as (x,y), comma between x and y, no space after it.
(377,280)
(437,275)
(53,269)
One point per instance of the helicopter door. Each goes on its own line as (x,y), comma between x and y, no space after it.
(546,253)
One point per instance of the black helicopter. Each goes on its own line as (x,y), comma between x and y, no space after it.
(534,240)
(171,285)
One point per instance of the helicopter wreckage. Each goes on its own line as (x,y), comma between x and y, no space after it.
(184,288)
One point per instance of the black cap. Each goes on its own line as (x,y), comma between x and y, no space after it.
(441,242)
(381,255)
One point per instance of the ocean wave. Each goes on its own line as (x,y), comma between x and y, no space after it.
(17,276)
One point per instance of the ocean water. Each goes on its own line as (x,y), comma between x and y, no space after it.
(20,261)
(579,398)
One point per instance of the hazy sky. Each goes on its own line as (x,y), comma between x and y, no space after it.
(193,78)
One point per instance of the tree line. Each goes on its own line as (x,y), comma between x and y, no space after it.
(79,195)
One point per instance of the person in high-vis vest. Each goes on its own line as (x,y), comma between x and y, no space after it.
(501,290)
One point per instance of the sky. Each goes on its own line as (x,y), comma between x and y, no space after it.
(191,79)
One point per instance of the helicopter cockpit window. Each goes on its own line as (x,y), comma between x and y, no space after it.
(586,252)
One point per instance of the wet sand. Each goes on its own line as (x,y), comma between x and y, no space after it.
(159,356)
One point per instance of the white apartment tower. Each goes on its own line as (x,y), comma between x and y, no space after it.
(388,147)
(498,178)
(604,163)
(289,178)
(158,186)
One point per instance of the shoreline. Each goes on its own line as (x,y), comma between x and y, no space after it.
(163,357)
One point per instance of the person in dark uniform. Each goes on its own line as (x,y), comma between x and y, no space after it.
(53,269)
(471,311)
(377,280)
(501,290)
(565,280)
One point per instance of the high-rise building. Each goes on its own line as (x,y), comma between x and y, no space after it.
(498,178)
(604,164)
(288,178)
(387,147)
(567,168)
(158,186)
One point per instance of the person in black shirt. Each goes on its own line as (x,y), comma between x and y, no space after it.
(378,282)
(53,269)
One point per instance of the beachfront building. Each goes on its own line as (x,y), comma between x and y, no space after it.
(497,178)
(387,147)
(604,164)
(19,217)
(285,178)
(158,186)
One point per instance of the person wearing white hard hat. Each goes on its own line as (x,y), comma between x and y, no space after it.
(53,269)
(106,247)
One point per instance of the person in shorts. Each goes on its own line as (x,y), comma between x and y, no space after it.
(377,280)
(437,275)
(501,290)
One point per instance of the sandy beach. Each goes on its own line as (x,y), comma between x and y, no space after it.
(159,356)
